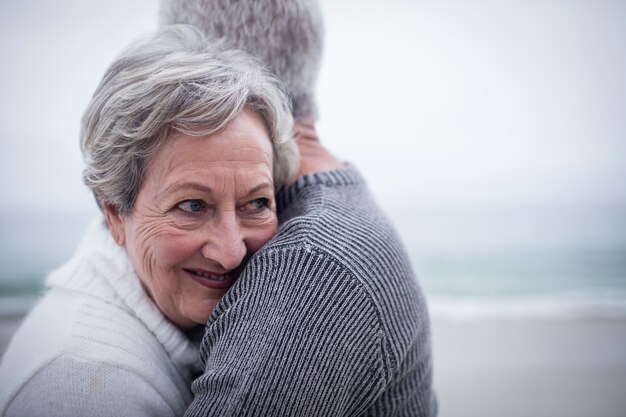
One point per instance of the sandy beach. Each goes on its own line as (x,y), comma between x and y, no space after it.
(531,368)
(517,367)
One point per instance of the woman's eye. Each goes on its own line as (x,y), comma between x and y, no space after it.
(191,206)
(258,204)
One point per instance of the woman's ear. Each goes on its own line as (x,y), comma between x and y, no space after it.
(115,222)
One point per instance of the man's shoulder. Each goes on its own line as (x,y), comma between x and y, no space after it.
(333,220)
(313,279)
(343,235)
(346,225)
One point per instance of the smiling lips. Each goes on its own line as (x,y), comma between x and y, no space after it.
(211,280)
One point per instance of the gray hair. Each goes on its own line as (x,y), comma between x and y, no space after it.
(173,80)
(286,35)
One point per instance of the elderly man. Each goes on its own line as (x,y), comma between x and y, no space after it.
(327,319)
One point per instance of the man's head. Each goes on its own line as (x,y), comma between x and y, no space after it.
(286,35)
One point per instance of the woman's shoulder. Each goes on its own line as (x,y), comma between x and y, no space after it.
(70,337)
(66,321)
(71,386)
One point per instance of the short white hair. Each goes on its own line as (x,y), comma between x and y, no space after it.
(174,80)
(286,35)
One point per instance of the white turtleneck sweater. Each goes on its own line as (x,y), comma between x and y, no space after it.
(96,345)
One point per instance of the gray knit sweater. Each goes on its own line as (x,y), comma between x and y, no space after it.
(326,320)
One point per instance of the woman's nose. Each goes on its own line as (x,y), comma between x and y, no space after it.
(225,243)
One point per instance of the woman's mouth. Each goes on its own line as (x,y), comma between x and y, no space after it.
(211,280)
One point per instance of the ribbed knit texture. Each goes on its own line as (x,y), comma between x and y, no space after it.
(326,320)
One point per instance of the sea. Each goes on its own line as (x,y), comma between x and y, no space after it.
(472,263)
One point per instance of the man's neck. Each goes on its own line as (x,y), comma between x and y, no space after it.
(313,156)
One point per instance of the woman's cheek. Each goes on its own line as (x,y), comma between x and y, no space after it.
(175,248)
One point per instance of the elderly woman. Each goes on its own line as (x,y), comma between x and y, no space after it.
(184,146)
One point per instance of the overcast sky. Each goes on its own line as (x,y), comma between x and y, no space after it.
(439,103)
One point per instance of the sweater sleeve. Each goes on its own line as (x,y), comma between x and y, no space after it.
(297,336)
(72,387)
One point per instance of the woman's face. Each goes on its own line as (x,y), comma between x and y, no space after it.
(206,204)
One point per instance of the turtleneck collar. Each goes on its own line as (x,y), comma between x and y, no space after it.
(348,175)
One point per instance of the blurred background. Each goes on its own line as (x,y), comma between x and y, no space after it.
(492,132)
